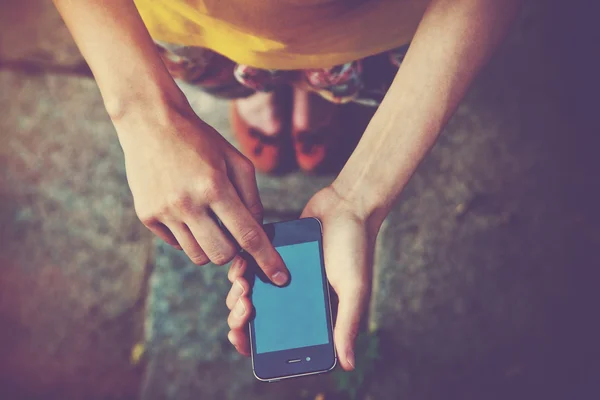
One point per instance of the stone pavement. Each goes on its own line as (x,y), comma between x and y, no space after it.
(487,279)
(486,286)
(73,258)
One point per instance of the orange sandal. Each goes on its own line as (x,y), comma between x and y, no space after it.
(267,153)
(316,148)
(326,149)
(311,148)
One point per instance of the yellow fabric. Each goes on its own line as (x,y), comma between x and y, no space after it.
(285,34)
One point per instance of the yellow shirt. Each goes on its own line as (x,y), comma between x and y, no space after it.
(285,34)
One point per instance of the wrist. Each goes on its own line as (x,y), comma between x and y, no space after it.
(363,200)
(149,118)
(145,113)
(151,100)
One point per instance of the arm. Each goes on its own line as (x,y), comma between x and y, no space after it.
(453,41)
(121,55)
(181,171)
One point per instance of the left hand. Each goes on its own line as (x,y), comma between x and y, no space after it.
(348,244)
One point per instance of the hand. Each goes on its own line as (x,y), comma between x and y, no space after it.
(348,243)
(184,175)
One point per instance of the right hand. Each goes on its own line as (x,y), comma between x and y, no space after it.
(183,174)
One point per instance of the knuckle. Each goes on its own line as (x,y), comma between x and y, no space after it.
(246,166)
(145,216)
(251,240)
(218,259)
(222,257)
(256,209)
(179,202)
(236,270)
(229,301)
(245,286)
(213,189)
(199,259)
(170,241)
(231,321)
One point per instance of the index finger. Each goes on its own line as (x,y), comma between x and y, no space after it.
(250,235)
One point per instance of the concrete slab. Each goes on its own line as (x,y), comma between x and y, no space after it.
(485,267)
(73,258)
(33,30)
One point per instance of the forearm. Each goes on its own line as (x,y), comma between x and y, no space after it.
(120,53)
(453,41)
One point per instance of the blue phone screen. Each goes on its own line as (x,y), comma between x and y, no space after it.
(293,316)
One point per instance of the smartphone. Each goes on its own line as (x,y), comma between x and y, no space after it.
(291,331)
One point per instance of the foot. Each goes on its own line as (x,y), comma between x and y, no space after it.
(315,129)
(258,123)
(262,112)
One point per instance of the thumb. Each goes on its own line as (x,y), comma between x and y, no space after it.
(352,303)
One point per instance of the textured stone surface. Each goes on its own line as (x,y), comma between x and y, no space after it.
(72,255)
(33,30)
(487,274)
(486,283)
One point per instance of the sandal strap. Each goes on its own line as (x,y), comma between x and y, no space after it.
(268,140)
(263,140)
(309,140)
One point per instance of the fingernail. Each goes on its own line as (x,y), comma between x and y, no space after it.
(350,358)
(279,278)
(239,308)
(238,289)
